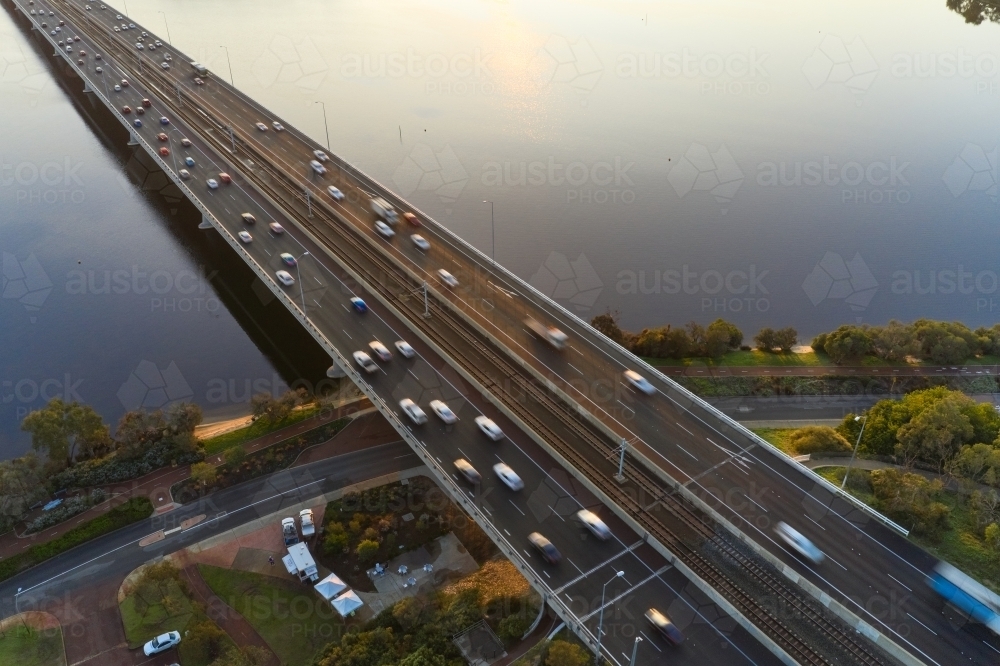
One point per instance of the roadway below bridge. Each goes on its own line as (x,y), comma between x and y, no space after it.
(683,438)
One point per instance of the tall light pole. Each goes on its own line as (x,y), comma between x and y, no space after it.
(124,2)
(855,452)
(600,622)
(325,124)
(635,648)
(230,67)
(169,41)
(493,233)
(298,274)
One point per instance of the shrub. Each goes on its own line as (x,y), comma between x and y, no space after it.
(203,473)
(993,536)
(205,640)
(910,499)
(71,507)
(234,455)
(116,468)
(512,628)
(817,439)
(563,653)
(335,540)
(367,550)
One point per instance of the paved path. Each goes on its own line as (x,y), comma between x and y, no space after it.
(156,485)
(819,370)
(234,624)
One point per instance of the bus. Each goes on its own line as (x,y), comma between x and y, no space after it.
(967,596)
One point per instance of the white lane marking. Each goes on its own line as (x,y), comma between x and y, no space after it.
(758,505)
(900,582)
(347,334)
(991,647)
(516,507)
(815,523)
(685,451)
(922,624)
(575,368)
(684,429)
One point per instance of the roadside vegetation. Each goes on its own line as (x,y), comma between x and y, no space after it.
(563,651)
(268,413)
(24,645)
(160,601)
(832,384)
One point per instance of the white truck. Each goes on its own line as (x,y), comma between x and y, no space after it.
(308,527)
(199,68)
(550,334)
(289,532)
(299,562)
(384,209)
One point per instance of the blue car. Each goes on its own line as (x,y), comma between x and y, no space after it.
(189,161)
(164,120)
(359,304)
(137,122)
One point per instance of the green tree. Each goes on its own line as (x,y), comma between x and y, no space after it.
(976,11)
(335,540)
(20,487)
(563,653)
(764,340)
(366,550)
(944,342)
(992,536)
(910,499)
(979,463)
(235,455)
(935,434)
(274,410)
(985,507)
(728,331)
(203,473)
(138,430)
(607,324)
(512,628)
(786,338)
(423,656)
(65,430)
(206,640)
(893,342)
(847,343)
(376,647)
(817,439)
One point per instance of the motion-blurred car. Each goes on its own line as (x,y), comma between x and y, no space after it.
(447,278)
(411,409)
(405,349)
(664,626)
(380,350)
(420,242)
(639,382)
(245,236)
(365,362)
(358,304)
(276,228)
(443,411)
(285,278)
(798,542)
(508,476)
(549,552)
(596,526)
(469,472)
(489,428)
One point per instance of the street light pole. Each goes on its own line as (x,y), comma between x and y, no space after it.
(298,273)
(493,233)
(600,622)
(325,125)
(169,41)
(635,648)
(855,452)
(230,62)
(125,2)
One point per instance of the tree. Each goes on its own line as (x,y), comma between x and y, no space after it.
(20,487)
(910,499)
(335,540)
(235,455)
(203,473)
(935,434)
(367,550)
(138,430)
(423,656)
(786,338)
(944,342)
(847,343)
(512,627)
(64,430)
(992,536)
(247,655)
(979,463)
(732,334)
(607,324)
(976,11)
(274,410)
(206,640)
(183,418)
(764,340)
(893,342)
(817,439)
(376,647)
(985,506)
(563,653)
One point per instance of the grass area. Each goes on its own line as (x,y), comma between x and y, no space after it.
(778,437)
(755,358)
(25,646)
(160,602)
(256,429)
(961,545)
(134,510)
(294,621)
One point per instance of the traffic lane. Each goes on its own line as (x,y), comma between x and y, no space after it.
(118,552)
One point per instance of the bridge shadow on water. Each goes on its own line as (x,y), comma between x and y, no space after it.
(298,359)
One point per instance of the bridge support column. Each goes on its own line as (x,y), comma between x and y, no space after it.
(205,222)
(86,86)
(335,371)
(133,140)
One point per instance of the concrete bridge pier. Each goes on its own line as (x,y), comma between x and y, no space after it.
(86,86)
(335,371)
(205,222)
(133,140)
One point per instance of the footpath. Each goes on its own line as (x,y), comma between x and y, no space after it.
(156,485)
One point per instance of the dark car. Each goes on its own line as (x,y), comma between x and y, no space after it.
(545,547)
(663,625)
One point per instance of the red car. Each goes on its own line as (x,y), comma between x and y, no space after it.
(412,219)
(124,83)
(146,103)
(164,151)
(126,109)
(161,136)
(225,178)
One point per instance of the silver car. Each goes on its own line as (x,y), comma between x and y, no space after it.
(412,410)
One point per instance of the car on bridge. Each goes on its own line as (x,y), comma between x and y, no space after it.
(186,142)
(380,350)
(248,218)
(126,109)
(139,110)
(118,88)
(276,228)
(245,237)
(138,45)
(162,136)
(277,126)
(420,242)
(285,278)
(447,278)
(164,120)
(137,122)
(508,476)
(189,161)
(99,70)
(639,382)
(225,177)
(664,626)
(443,411)
(262,127)
(798,542)
(165,65)
(162,643)
(146,103)
(335,193)
(164,151)
(596,526)
(97,56)
(317,167)
(489,428)
(358,304)
(287,259)
(320,155)
(413,411)
(198,81)
(412,219)
(548,551)
(212,183)
(365,362)
(469,472)
(124,83)
(384,229)
(184,173)
(405,349)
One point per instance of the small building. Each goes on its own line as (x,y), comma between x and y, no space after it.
(299,562)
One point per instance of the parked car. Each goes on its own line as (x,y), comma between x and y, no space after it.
(413,411)
(548,551)
(161,643)
(443,411)
(489,428)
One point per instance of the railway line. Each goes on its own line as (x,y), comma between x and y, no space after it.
(686,532)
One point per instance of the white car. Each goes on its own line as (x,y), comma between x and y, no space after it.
(447,278)
(285,278)
(384,229)
(508,476)
(320,155)
(277,126)
(262,127)
(184,173)
(245,237)
(317,167)
(405,349)
(335,193)
(161,643)
(380,350)
(797,542)
(308,526)
(365,361)
(118,88)
(99,70)
(443,411)
(213,183)
(640,382)
(594,524)
(420,242)
(466,469)
(411,409)
(489,428)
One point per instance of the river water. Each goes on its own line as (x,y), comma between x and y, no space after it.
(770,163)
